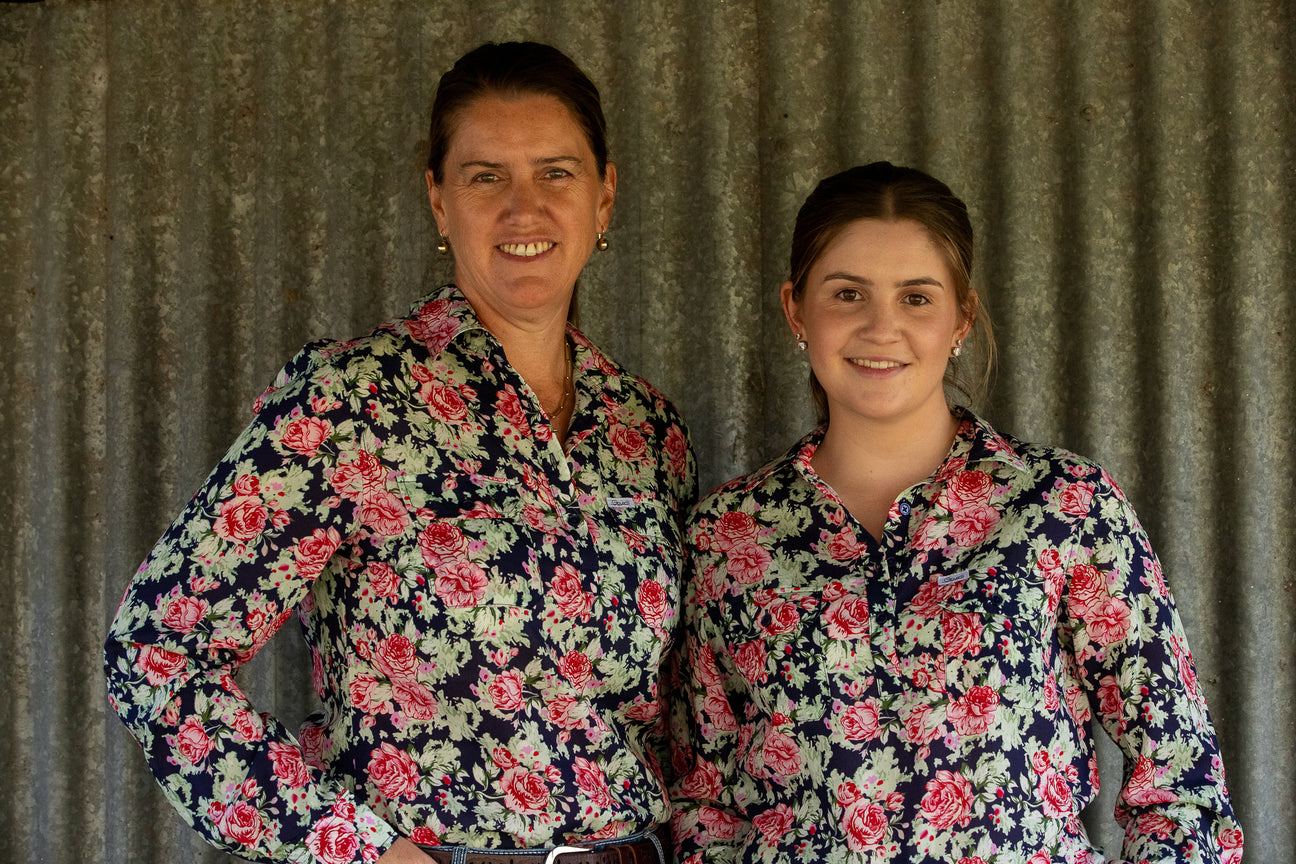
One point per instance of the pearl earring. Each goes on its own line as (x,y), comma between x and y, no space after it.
(801,343)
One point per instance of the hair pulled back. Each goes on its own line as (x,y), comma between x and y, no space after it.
(515,69)
(891,193)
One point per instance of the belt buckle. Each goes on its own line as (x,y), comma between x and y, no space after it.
(552,857)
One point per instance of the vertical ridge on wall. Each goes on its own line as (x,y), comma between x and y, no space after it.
(65,514)
(22,253)
(145,418)
(723,220)
(1258,666)
(803,58)
(1221,371)
(190,192)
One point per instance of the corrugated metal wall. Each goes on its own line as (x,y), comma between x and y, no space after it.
(189,191)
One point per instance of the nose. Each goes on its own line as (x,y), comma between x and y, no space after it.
(524,200)
(878,321)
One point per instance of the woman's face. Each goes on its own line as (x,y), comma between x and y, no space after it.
(880,316)
(521,203)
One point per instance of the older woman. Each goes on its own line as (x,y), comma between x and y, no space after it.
(475,514)
(898,632)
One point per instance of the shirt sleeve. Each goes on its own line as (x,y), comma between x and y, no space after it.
(1132,658)
(252,545)
(708,823)
(682,473)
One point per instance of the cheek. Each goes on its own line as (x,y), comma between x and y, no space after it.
(823,347)
(812,324)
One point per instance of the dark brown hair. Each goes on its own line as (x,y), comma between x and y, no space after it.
(515,69)
(881,190)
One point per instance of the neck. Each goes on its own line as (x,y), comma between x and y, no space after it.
(541,358)
(883,444)
(534,340)
(535,343)
(869,464)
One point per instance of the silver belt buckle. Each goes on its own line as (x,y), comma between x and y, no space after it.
(552,857)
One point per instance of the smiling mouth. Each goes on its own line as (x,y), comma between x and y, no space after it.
(525,250)
(876,364)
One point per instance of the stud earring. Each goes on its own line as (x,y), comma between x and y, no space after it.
(958,348)
(801,343)
(601,244)
(444,246)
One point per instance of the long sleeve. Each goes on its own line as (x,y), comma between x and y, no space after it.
(1132,660)
(252,544)
(488,609)
(707,824)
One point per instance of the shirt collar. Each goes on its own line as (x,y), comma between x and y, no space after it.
(440,318)
(445,315)
(975,441)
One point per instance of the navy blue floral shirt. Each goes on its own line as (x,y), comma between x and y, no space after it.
(487,611)
(928,697)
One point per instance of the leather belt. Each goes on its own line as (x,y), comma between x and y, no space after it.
(641,851)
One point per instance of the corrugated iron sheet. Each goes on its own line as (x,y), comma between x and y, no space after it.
(189,191)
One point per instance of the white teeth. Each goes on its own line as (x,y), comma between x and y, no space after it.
(877,364)
(525,250)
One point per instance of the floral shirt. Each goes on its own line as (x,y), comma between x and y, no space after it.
(928,697)
(487,613)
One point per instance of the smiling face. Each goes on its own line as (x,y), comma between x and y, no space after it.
(880,315)
(522,202)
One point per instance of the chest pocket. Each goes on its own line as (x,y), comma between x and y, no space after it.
(636,540)
(466,542)
(993,633)
(641,522)
(816,643)
(775,644)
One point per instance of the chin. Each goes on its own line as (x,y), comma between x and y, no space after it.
(537,293)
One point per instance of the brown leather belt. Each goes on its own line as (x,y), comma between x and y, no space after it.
(641,851)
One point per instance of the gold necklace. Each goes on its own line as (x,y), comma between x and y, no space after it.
(567,390)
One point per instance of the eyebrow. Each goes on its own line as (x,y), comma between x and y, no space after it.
(860,280)
(495,166)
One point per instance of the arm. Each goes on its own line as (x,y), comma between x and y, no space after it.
(707,824)
(247,549)
(1133,659)
(679,466)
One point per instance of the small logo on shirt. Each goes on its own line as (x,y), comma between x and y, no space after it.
(950,578)
(620,503)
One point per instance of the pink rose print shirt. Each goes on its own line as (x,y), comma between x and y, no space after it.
(487,613)
(928,697)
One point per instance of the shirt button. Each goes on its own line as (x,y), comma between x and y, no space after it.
(905,509)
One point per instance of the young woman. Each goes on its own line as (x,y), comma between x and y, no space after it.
(898,632)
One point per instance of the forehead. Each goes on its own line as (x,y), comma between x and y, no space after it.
(883,247)
(530,125)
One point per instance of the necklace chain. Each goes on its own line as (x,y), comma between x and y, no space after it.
(567,389)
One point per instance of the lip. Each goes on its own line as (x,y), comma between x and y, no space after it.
(527,251)
(876,365)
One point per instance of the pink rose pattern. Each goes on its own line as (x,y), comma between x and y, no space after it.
(929,700)
(488,625)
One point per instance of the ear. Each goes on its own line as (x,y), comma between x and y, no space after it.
(434,198)
(970,310)
(608,196)
(791,309)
